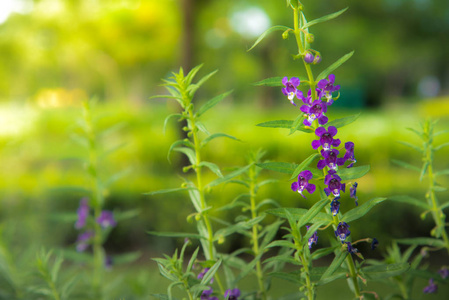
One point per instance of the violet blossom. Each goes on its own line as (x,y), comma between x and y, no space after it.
(353,191)
(303,183)
(349,155)
(83,213)
(313,239)
(290,88)
(431,288)
(315,111)
(233,294)
(106,219)
(326,138)
(83,240)
(327,88)
(342,231)
(334,184)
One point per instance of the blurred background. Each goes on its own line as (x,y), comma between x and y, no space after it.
(56,53)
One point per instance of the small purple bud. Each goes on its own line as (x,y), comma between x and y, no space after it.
(431,288)
(317,59)
(313,239)
(106,219)
(233,294)
(374,244)
(351,249)
(444,272)
(342,231)
(335,206)
(308,58)
(83,213)
(206,295)
(353,191)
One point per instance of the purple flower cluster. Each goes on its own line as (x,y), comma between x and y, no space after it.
(106,219)
(233,294)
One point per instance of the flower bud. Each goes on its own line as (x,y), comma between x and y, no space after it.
(308,58)
(310,38)
(285,35)
(185,128)
(221,240)
(317,59)
(198,217)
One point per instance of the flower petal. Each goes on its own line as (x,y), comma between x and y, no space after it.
(295,81)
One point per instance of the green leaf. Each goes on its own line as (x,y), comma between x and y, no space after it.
(168,119)
(353,173)
(302,166)
(268,31)
(176,234)
(116,177)
(441,146)
(411,146)
(297,123)
(210,274)
(275,81)
(298,213)
(410,200)
(277,124)
(211,103)
(334,66)
(443,172)
(211,166)
(323,252)
(422,241)
(281,167)
(361,210)
(194,87)
(384,271)
(202,128)
(282,258)
(192,73)
(324,18)
(217,135)
(227,177)
(269,233)
(169,191)
(188,152)
(338,123)
(312,212)
(294,277)
(444,206)
(336,263)
(317,272)
(423,170)
(282,243)
(126,258)
(175,144)
(405,165)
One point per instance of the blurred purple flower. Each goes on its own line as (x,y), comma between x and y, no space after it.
(206,295)
(444,272)
(313,239)
(106,219)
(326,138)
(83,213)
(353,191)
(349,155)
(351,249)
(83,240)
(335,206)
(203,272)
(330,159)
(342,231)
(108,262)
(431,288)
(233,294)
(327,88)
(290,88)
(374,243)
(303,183)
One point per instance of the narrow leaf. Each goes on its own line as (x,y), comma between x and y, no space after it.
(361,210)
(168,191)
(336,263)
(211,166)
(211,103)
(227,177)
(406,165)
(441,146)
(338,123)
(324,18)
(217,135)
(268,31)
(302,166)
(188,152)
(176,234)
(194,87)
(276,81)
(168,119)
(285,244)
(312,212)
(277,124)
(353,173)
(281,167)
(443,172)
(384,271)
(414,147)
(297,123)
(292,277)
(175,144)
(410,200)
(334,66)
(298,213)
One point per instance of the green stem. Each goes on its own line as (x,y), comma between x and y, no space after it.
(97,202)
(255,232)
(353,274)
(301,50)
(305,263)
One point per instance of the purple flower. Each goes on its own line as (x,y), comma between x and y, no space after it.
(431,288)
(108,262)
(83,240)
(308,58)
(444,272)
(206,295)
(327,88)
(233,294)
(342,231)
(303,183)
(307,100)
(335,206)
(106,219)
(334,185)
(315,111)
(313,239)
(374,243)
(330,159)
(83,213)
(351,249)
(290,88)
(353,191)
(326,138)
(349,155)
(201,275)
